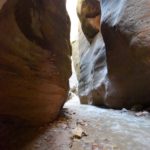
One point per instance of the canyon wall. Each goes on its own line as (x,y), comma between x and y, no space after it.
(91,47)
(115,66)
(34,59)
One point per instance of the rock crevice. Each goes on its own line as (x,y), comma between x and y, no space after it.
(125,42)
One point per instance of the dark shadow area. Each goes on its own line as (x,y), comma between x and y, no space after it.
(14,135)
(17,135)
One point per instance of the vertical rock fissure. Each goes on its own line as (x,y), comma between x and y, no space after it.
(116,75)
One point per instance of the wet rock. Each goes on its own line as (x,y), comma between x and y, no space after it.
(34,59)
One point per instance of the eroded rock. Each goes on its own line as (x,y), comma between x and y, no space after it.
(121,77)
(93,67)
(93,72)
(126,32)
(34,59)
(89,15)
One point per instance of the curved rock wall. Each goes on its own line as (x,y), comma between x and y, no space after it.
(120,78)
(126,32)
(34,59)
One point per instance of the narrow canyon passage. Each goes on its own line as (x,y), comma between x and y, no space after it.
(105,105)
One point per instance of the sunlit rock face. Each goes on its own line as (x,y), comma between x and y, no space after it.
(93,67)
(93,72)
(126,32)
(114,66)
(34,59)
(89,14)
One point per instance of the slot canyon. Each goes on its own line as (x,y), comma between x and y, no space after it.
(74,74)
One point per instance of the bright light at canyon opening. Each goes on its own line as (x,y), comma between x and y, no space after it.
(71,8)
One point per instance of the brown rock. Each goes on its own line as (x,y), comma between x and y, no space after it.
(89,15)
(121,78)
(34,59)
(93,67)
(126,32)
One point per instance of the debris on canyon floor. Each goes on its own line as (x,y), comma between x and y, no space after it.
(142,113)
(85,127)
(78,133)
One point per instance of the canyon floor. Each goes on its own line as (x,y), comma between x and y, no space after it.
(81,127)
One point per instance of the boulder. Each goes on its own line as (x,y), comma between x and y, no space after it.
(89,15)
(34,59)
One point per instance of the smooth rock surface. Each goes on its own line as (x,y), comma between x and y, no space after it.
(93,71)
(89,14)
(126,33)
(125,40)
(34,59)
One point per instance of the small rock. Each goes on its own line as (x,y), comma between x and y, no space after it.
(96,147)
(106,140)
(64,126)
(139,114)
(82,123)
(124,110)
(78,133)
